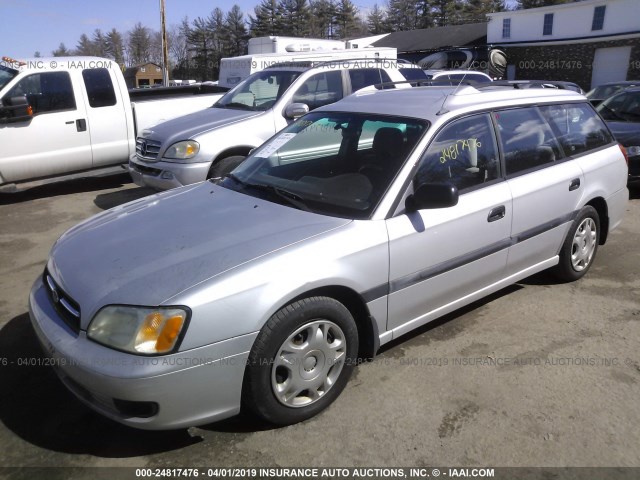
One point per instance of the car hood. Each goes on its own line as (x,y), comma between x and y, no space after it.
(148,251)
(188,126)
(627,133)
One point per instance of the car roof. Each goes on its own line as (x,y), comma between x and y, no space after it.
(429,102)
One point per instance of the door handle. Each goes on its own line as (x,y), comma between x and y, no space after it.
(575,184)
(81,125)
(497,213)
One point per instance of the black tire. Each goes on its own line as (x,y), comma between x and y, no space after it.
(309,367)
(225,165)
(582,241)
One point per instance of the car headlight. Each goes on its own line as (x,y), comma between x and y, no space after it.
(633,151)
(182,150)
(141,330)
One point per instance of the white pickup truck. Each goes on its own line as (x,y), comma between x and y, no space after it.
(68,114)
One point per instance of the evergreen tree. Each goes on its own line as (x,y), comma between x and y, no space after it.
(346,19)
(235,32)
(85,46)
(115,46)
(99,42)
(447,12)
(323,18)
(403,15)
(294,17)
(540,3)
(476,10)
(376,21)
(61,51)
(200,41)
(266,21)
(139,45)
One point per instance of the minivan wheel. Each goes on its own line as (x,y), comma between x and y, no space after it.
(579,248)
(225,165)
(301,360)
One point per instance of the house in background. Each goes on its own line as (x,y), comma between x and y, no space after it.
(589,42)
(143,76)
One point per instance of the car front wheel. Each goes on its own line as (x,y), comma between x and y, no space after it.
(301,360)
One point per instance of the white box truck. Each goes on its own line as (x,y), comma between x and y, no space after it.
(235,69)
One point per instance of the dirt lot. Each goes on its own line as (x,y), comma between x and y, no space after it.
(540,374)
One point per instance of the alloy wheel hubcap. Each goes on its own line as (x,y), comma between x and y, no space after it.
(308,363)
(584,244)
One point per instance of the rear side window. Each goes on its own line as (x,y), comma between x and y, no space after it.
(46,92)
(577,127)
(413,74)
(463,153)
(99,87)
(526,139)
(364,77)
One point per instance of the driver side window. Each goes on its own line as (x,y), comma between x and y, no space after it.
(463,154)
(320,89)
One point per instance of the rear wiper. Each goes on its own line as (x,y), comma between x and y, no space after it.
(292,198)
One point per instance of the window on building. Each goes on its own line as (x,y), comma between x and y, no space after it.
(143,69)
(547,29)
(598,17)
(506,28)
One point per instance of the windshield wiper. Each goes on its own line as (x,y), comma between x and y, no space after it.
(292,198)
(241,106)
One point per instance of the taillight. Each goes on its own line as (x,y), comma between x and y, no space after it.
(624,152)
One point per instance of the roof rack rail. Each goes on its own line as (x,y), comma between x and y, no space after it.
(321,63)
(420,83)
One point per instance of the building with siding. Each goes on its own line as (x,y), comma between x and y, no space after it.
(589,42)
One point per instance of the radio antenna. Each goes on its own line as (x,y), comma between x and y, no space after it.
(443,110)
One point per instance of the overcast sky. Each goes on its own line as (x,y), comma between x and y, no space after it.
(27,26)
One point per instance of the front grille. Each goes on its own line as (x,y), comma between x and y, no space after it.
(67,307)
(147,149)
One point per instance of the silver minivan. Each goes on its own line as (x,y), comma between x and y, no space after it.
(354,225)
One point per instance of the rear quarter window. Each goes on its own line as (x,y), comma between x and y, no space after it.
(99,87)
(526,139)
(577,127)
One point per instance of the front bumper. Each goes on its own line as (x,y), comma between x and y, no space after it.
(184,389)
(166,175)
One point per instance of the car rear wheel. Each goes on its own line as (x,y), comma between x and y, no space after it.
(580,246)
(301,360)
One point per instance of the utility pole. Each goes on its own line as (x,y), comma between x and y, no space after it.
(165,46)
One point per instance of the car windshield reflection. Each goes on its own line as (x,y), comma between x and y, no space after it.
(338,164)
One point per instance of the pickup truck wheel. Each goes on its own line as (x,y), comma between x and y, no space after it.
(579,248)
(300,361)
(225,165)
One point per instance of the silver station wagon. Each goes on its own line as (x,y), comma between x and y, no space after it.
(354,225)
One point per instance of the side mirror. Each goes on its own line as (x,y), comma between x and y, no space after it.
(432,195)
(296,110)
(16,109)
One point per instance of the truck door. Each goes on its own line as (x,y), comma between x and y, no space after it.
(107,120)
(55,140)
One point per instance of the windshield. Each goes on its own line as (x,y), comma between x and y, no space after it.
(624,107)
(338,164)
(605,91)
(259,91)
(6,75)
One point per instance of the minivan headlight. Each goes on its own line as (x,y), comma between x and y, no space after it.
(182,150)
(141,330)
